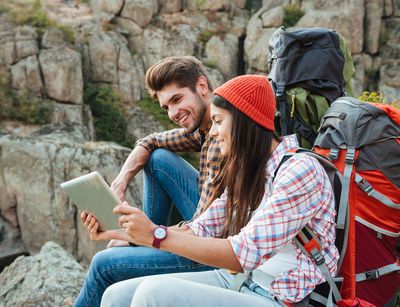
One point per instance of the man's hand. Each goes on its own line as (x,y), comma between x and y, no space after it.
(133,164)
(136,224)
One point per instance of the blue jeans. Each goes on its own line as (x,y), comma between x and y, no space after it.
(168,179)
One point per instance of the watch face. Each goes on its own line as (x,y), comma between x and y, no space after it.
(160,233)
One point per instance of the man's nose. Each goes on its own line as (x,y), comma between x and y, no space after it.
(173,114)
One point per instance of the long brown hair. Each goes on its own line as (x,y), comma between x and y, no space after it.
(243,170)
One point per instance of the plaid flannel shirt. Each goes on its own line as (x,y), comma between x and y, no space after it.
(301,194)
(178,140)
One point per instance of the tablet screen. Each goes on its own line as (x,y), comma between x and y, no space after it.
(92,194)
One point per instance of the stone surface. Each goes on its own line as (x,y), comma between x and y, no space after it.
(53,38)
(159,44)
(51,278)
(373,15)
(171,6)
(140,11)
(108,6)
(25,42)
(32,169)
(273,17)
(222,51)
(25,75)
(7,47)
(324,13)
(62,73)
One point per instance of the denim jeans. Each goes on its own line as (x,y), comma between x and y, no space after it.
(168,179)
(194,289)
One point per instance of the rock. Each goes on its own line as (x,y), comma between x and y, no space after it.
(373,15)
(32,170)
(357,82)
(8,53)
(62,73)
(388,8)
(272,18)
(239,23)
(215,76)
(53,38)
(324,13)
(140,11)
(208,5)
(240,3)
(171,6)
(390,74)
(390,40)
(76,115)
(103,55)
(269,4)
(222,51)
(159,44)
(25,76)
(25,42)
(51,278)
(107,6)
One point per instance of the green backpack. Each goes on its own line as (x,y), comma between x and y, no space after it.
(309,69)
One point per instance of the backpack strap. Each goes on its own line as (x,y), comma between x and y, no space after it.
(367,188)
(344,197)
(375,274)
(308,242)
(280,97)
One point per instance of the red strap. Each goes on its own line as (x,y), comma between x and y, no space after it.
(312,245)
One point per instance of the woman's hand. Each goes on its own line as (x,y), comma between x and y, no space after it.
(136,224)
(92,226)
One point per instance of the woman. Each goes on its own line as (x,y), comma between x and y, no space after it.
(250,221)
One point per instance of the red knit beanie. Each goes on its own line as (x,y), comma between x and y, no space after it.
(253,95)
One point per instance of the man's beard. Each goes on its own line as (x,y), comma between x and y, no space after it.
(200,112)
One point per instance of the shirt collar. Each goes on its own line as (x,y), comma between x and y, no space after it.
(287,143)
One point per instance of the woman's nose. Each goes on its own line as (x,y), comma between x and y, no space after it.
(213,131)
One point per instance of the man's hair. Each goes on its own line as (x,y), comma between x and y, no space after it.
(184,71)
(242,172)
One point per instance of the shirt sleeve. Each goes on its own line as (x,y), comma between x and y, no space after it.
(211,222)
(173,140)
(295,198)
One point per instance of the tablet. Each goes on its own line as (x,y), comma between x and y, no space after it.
(92,194)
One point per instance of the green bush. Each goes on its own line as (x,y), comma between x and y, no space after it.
(371,97)
(291,15)
(33,14)
(108,114)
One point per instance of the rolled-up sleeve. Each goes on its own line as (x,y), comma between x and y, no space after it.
(294,200)
(211,222)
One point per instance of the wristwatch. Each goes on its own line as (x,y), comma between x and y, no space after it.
(159,234)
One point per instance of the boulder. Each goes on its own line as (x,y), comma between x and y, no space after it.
(32,170)
(103,55)
(62,73)
(159,44)
(171,6)
(222,51)
(53,38)
(269,4)
(25,75)
(8,53)
(272,17)
(107,6)
(215,76)
(208,5)
(140,11)
(50,278)
(389,83)
(25,42)
(373,17)
(324,13)
(390,40)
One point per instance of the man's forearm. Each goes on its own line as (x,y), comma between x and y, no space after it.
(210,251)
(133,164)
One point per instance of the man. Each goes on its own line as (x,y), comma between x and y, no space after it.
(184,91)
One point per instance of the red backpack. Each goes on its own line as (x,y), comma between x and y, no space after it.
(363,141)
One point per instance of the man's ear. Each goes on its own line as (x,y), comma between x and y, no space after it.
(202,86)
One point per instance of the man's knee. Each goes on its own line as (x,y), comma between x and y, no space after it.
(157,157)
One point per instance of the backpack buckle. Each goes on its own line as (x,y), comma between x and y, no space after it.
(364,185)
(333,154)
(280,91)
(350,155)
(374,274)
(317,256)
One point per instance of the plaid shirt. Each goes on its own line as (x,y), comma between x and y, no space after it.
(301,194)
(198,141)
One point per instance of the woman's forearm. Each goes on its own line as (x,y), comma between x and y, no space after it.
(210,251)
